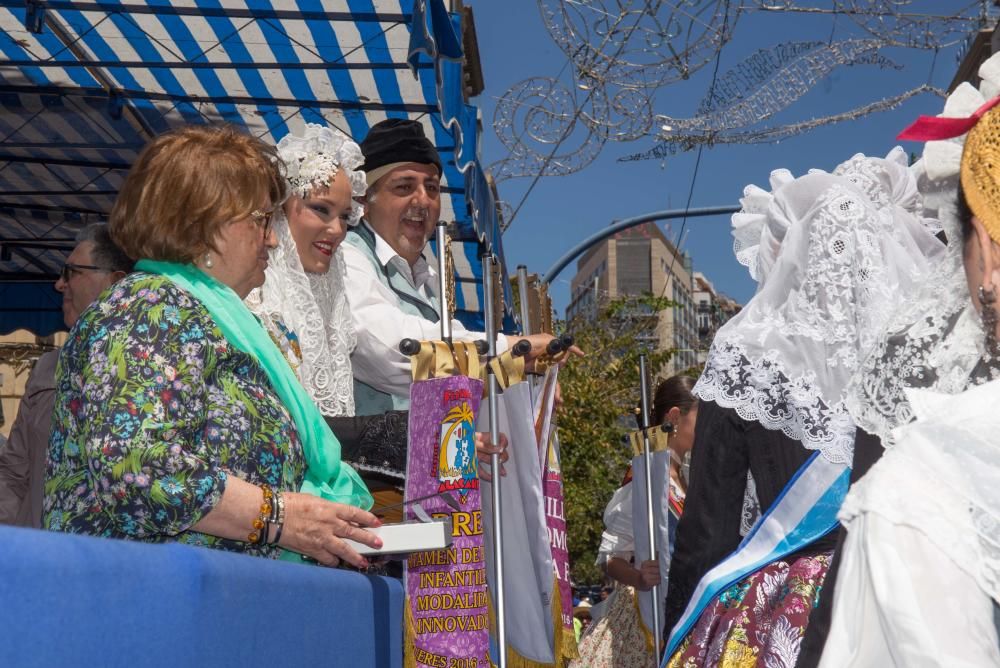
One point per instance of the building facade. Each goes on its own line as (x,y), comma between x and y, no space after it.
(712,310)
(635,262)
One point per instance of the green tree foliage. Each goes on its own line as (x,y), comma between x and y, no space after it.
(601,393)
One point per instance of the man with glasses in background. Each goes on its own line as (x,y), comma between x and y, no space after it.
(95,264)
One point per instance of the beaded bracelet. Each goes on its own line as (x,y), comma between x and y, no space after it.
(260,524)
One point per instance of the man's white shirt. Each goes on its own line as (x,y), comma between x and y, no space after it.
(381,324)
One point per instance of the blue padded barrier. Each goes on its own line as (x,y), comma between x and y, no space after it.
(81,601)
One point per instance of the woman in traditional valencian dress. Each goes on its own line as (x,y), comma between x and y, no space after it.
(919,572)
(303,303)
(831,253)
(619,638)
(304,306)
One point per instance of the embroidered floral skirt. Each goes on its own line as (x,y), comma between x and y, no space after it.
(616,639)
(759,621)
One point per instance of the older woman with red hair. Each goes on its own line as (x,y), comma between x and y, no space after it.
(177,418)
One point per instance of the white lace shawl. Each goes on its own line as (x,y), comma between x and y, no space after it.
(935,336)
(850,247)
(315,308)
(941,478)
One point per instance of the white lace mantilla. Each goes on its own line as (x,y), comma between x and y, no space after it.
(756,387)
(312,308)
(850,249)
(935,336)
(315,308)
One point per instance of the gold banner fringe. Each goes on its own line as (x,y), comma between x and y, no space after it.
(509,370)
(515,660)
(564,647)
(437,359)
(659,440)
(409,635)
(565,638)
(642,627)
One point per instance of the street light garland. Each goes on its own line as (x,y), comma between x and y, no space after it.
(621,53)
(685,142)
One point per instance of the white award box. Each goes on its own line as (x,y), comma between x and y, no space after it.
(409,537)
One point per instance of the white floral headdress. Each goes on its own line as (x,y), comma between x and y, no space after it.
(314,159)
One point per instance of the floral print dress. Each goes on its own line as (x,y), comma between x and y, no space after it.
(760,621)
(620,638)
(154,410)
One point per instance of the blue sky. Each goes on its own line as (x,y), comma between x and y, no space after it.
(562,210)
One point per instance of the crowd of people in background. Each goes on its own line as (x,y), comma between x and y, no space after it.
(232,380)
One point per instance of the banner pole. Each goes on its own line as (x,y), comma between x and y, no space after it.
(650,519)
(522,291)
(443,278)
(489,307)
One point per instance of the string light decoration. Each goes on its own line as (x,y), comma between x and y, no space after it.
(623,53)
(639,43)
(533,116)
(767,82)
(687,142)
(762,65)
(914,24)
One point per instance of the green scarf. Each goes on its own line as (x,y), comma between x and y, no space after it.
(325,476)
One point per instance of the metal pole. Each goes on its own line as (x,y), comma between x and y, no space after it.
(494,404)
(522,291)
(445,310)
(614,228)
(650,520)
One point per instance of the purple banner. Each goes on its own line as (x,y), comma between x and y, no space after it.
(555,520)
(447,607)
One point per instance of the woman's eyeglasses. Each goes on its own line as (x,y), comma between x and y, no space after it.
(263,218)
(70,268)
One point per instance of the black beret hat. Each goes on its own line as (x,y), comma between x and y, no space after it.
(397,140)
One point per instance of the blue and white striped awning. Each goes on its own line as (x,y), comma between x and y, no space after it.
(83,85)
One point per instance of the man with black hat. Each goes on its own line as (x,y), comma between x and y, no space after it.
(391,287)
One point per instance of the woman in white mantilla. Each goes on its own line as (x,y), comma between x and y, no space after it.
(919,572)
(302,303)
(832,252)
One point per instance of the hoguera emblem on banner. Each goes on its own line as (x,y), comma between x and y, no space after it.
(457,464)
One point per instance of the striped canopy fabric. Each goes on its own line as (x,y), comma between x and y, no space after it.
(83,86)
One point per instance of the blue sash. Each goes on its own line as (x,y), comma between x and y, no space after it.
(805,511)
